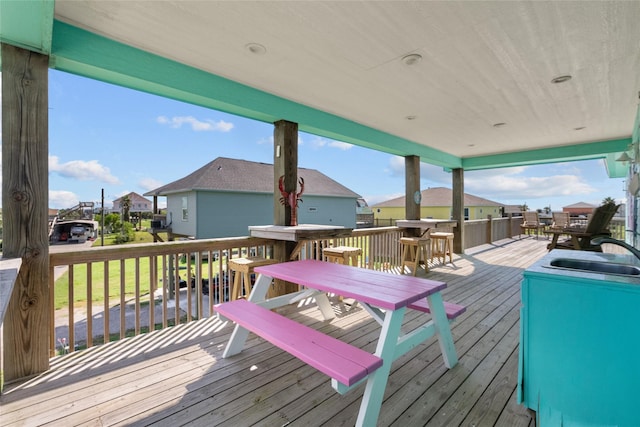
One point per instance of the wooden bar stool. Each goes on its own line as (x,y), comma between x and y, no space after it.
(243,268)
(414,249)
(441,246)
(343,255)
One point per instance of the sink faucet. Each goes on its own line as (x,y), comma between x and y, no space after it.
(604,239)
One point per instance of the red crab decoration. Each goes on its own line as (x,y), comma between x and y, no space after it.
(291,199)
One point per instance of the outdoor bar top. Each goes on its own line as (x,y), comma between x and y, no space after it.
(297,233)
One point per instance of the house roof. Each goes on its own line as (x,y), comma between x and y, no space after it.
(133,196)
(225,174)
(581,205)
(439,196)
(512,209)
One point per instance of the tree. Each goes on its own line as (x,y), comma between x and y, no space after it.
(608,201)
(111,222)
(127,234)
(524,207)
(125,204)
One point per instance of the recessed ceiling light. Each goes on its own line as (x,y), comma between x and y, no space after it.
(411,59)
(411,117)
(499,125)
(256,48)
(580,128)
(561,79)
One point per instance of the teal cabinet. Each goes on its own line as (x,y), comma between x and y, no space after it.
(580,345)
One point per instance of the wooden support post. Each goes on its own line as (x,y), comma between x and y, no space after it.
(457,210)
(285,163)
(489,237)
(413,196)
(25,187)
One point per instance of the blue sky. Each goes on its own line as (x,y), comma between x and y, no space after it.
(105,136)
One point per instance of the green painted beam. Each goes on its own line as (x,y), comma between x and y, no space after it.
(589,151)
(27,24)
(615,169)
(80,52)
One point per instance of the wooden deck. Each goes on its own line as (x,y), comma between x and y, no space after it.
(177,376)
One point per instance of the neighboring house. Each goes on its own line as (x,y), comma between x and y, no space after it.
(137,203)
(580,208)
(224,197)
(436,203)
(513,210)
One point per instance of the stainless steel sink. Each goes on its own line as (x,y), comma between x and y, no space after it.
(595,266)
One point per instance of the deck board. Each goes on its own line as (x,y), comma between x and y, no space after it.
(177,376)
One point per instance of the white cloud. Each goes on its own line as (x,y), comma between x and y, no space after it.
(374,199)
(319,142)
(82,170)
(196,125)
(511,184)
(503,184)
(268,140)
(149,183)
(341,145)
(60,199)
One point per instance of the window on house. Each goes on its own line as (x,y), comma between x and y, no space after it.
(466,214)
(185,209)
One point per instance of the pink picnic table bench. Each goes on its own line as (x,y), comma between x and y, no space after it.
(386,297)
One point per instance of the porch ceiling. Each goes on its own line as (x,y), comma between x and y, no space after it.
(337,69)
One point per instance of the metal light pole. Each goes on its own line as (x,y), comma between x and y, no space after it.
(102,221)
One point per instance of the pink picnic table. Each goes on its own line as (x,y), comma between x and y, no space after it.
(384,296)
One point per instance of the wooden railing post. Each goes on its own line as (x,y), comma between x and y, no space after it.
(489,229)
(510,232)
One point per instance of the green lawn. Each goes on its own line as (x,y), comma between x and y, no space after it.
(97,275)
(61,293)
(140,237)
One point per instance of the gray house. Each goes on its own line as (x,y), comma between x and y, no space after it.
(224,197)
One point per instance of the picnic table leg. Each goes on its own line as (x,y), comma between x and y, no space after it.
(260,288)
(240,334)
(443,330)
(377,382)
(236,342)
(322,301)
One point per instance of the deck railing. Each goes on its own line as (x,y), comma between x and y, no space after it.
(118,291)
(107,293)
